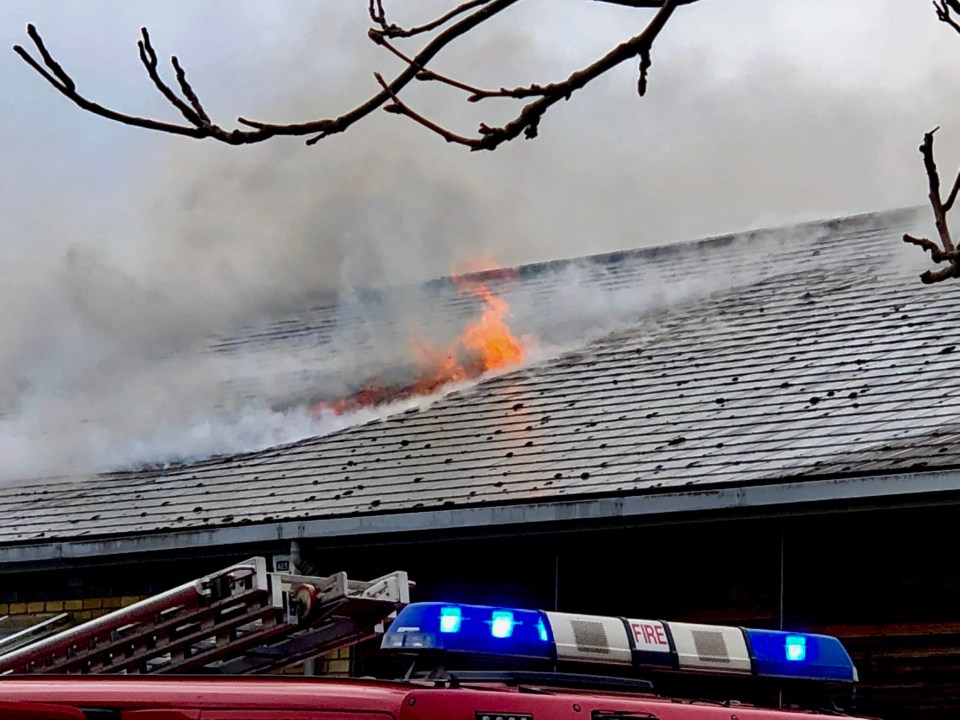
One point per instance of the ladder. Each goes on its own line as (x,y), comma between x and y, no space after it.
(239,620)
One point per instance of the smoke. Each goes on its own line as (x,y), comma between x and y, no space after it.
(115,291)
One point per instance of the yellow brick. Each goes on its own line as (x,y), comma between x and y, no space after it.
(73,605)
(128,600)
(112,603)
(53,606)
(18,608)
(338,667)
(92,603)
(35,607)
(4,609)
(83,615)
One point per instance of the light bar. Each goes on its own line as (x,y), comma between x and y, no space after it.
(472,629)
(650,644)
(800,655)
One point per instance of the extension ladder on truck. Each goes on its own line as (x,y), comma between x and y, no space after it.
(240,620)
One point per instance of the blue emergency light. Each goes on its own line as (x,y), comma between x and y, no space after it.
(474,629)
(528,634)
(800,655)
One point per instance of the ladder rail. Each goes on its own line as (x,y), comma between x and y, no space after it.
(17,638)
(242,617)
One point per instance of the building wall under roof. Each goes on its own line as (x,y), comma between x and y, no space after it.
(887,581)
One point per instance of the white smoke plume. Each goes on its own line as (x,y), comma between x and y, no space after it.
(124,253)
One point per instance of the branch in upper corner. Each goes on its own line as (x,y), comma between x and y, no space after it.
(946,251)
(944,8)
(476,94)
(379,16)
(54,74)
(528,121)
(458,22)
(645,3)
(199,124)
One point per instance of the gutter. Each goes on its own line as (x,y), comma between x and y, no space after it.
(905,489)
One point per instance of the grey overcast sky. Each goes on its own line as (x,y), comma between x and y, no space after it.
(118,243)
(759,112)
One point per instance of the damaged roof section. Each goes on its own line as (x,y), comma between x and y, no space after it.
(327,352)
(823,357)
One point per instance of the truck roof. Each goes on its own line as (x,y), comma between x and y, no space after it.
(207,692)
(395,698)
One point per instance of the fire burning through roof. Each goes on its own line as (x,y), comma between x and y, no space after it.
(486,343)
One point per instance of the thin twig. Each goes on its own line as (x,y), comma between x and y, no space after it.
(148,57)
(929,246)
(395,31)
(934,179)
(946,251)
(456,23)
(953,195)
(377,13)
(928,277)
(202,127)
(943,8)
(65,85)
(400,108)
(48,59)
(187,90)
(644,67)
(645,3)
(476,93)
(528,121)
(325,128)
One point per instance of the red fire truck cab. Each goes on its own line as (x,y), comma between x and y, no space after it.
(258,698)
(200,651)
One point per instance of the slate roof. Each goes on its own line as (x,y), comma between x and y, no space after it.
(798,353)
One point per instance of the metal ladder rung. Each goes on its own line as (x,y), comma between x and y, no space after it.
(241,617)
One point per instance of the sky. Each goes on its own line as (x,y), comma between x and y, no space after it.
(120,245)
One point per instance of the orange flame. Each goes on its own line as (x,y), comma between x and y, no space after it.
(489,338)
(486,343)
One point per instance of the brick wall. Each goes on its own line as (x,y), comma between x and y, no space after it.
(80,610)
(334,664)
(20,615)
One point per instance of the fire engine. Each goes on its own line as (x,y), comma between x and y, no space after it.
(206,651)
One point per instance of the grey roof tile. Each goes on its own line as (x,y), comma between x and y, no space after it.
(823,358)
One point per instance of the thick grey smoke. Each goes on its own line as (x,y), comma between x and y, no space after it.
(124,253)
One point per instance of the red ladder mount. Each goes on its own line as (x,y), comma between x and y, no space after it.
(240,620)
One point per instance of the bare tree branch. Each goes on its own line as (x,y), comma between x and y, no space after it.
(946,251)
(943,8)
(953,195)
(936,254)
(262,130)
(401,109)
(528,121)
(644,3)
(451,26)
(148,57)
(475,92)
(66,86)
(49,61)
(378,15)
(187,90)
